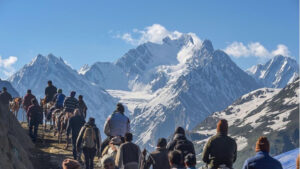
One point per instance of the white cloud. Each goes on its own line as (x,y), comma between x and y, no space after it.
(255,49)
(6,65)
(155,33)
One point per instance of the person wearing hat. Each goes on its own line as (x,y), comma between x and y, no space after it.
(158,158)
(59,99)
(71,103)
(117,124)
(70,164)
(220,149)
(262,159)
(190,161)
(5,98)
(50,91)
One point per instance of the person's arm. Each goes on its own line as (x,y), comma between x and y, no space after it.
(69,127)
(235,152)
(206,152)
(98,141)
(119,158)
(245,166)
(107,127)
(79,138)
(171,145)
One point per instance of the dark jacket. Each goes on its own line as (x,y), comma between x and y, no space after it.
(262,160)
(180,137)
(82,107)
(75,123)
(220,149)
(35,114)
(27,100)
(81,133)
(70,104)
(50,91)
(128,156)
(5,97)
(158,159)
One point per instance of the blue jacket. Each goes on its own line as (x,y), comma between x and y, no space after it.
(262,160)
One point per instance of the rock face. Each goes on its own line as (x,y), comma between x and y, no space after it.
(15,145)
(9,87)
(264,112)
(276,73)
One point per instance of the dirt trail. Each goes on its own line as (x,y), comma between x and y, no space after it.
(48,153)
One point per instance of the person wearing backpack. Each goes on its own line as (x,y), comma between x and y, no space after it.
(59,99)
(128,157)
(116,124)
(34,114)
(262,159)
(220,149)
(90,138)
(181,143)
(75,123)
(159,158)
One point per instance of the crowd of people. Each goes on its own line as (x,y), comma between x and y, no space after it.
(118,151)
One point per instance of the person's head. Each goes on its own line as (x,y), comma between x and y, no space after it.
(4,89)
(222,127)
(162,143)
(190,160)
(73,93)
(262,144)
(109,163)
(49,83)
(175,158)
(179,130)
(77,112)
(59,91)
(128,137)
(70,164)
(91,121)
(116,140)
(80,97)
(120,108)
(28,91)
(34,101)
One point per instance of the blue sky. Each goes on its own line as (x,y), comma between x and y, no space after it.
(83,32)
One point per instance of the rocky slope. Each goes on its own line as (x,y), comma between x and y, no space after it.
(270,112)
(15,145)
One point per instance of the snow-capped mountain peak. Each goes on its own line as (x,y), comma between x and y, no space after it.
(35,75)
(277,72)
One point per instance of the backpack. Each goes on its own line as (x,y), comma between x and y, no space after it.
(183,146)
(89,137)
